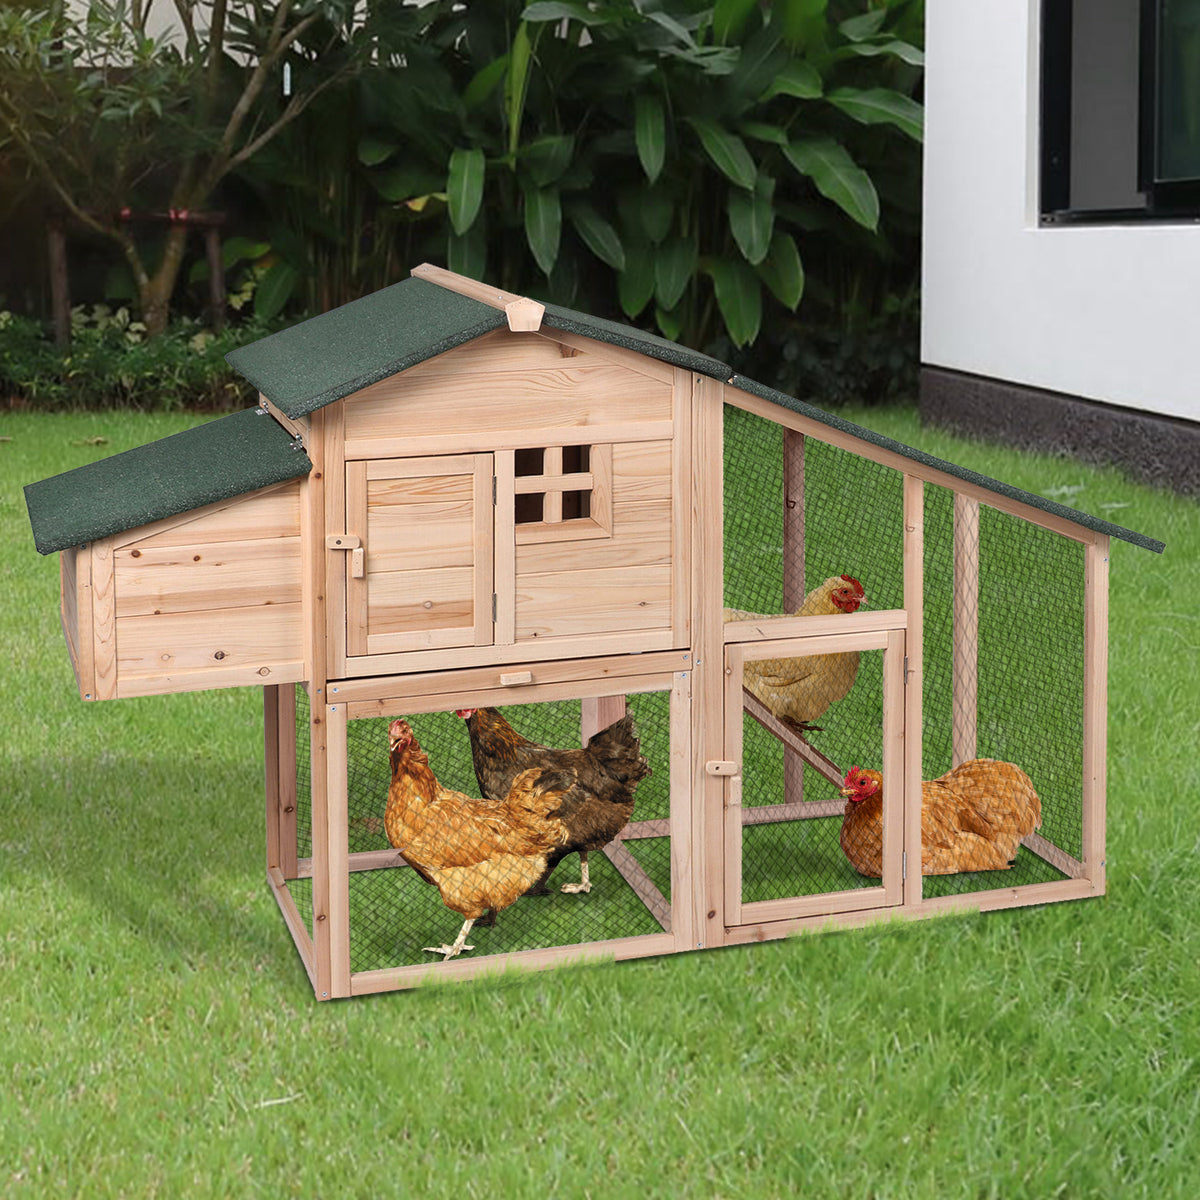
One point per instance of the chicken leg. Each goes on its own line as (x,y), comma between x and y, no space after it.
(459,943)
(584,884)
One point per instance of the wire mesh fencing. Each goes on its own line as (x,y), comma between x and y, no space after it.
(799,512)
(792,812)
(509,862)
(1003,697)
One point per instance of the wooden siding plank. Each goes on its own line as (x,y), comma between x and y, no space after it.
(203,577)
(218,640)
(269,512)
(558,604)
(577,397)
(385,441)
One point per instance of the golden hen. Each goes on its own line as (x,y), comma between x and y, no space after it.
(972,818)
(799,690)
(479,854)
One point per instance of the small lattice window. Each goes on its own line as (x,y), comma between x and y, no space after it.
(563,492)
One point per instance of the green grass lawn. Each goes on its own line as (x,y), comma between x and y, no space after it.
(160,1037)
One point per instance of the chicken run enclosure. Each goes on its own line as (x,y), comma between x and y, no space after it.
(573,644)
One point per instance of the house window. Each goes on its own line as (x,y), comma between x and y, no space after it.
(562,492)
(1120,110)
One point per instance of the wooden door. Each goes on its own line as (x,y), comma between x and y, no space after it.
(784,856)
(421,578)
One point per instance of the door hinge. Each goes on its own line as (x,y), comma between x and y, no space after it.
(494,605)
(906,670)
(495,488)
(903,864)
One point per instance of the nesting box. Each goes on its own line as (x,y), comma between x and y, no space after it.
(454,499)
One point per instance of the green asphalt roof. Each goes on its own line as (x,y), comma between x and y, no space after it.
(224,458)
(312,364)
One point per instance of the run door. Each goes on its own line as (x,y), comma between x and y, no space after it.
(784,852)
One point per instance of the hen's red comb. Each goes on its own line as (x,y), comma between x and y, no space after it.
(858,587)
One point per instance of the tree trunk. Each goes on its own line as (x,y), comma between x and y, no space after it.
(154,291)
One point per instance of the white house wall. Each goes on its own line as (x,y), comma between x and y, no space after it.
(1105,312)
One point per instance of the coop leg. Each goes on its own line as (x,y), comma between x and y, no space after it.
(584,884)
(459,943)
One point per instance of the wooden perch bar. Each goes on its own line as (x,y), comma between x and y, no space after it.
(791,740)
(633,874)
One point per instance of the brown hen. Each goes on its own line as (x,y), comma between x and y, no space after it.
(972,818)
(479,854)
(604,775)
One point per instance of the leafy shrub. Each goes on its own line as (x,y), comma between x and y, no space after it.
(112,364)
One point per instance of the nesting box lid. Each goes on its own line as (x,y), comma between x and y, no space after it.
(216,461)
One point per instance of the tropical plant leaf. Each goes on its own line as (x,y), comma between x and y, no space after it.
(484,82)
(764,133)
(548,157)
(464,187)
(650,133)
(762,58)
(782,271)
(752,220)
(466,254)
(543,224)
(901,50)
(274,290)
(374,150)
(859,28)
(838,178)
(655,208)
(729,19)
(515,80)
(670,324)
(800,79)
(728,153)
(235,249)
(635,284)
(598,235)
(739,297)
(674,265)
(878,106)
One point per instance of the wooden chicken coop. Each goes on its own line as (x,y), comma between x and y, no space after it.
(452,499)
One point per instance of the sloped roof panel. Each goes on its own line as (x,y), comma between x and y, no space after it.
(216,461)
(318,361)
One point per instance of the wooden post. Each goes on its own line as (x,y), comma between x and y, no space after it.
(60,286)
(1095,707)
(708,675)
(793,577)
(597,713)
(325,808)
(914,604)
(965,690)
(279,711)
(216,277)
